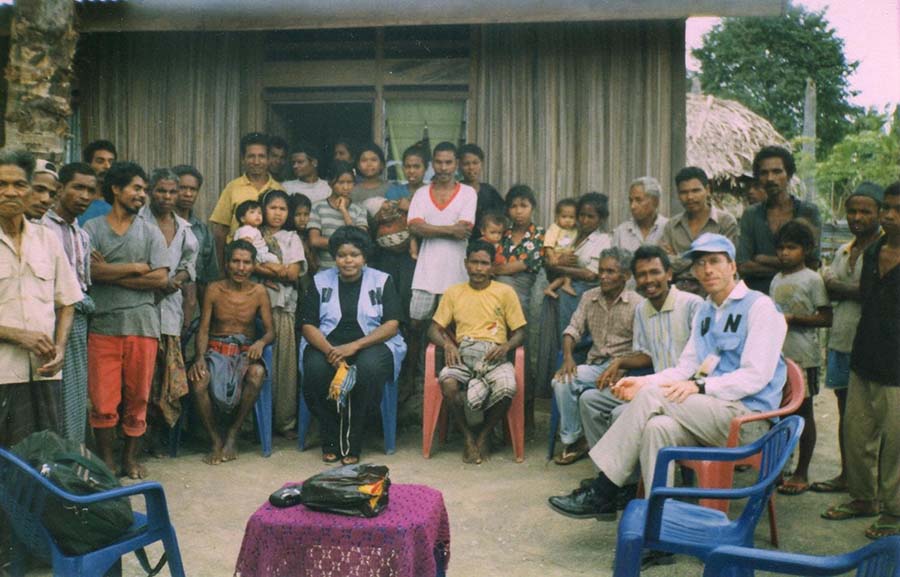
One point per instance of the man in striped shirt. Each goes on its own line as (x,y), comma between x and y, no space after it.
(662,326)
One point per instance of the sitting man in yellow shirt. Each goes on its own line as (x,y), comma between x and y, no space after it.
(489,323)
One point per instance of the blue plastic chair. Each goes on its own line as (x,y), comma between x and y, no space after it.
(388,419)
(23,493)
(262,411)
(879,559)
(664,523)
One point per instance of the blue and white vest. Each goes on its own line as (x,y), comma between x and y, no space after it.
(369,310)
(726,338)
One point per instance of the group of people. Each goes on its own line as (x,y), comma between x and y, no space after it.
(660,333)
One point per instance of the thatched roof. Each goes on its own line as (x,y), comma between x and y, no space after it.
(723,135)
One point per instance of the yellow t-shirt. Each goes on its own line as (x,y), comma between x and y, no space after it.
(235,192)
(486,315)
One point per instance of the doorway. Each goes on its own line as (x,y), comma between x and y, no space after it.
(320,124)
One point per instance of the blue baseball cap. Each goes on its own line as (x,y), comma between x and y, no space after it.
(709,242)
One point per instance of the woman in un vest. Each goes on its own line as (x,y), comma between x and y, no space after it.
(350,318)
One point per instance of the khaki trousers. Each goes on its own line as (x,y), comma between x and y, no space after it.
(872,441)
(651,422)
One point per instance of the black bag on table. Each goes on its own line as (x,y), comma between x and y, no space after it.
(360,490)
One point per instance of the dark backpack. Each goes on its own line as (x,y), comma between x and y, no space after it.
(74,469)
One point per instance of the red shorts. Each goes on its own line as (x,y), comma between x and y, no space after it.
(120,371)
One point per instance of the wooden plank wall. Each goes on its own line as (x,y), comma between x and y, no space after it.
(572,108)
(167,99)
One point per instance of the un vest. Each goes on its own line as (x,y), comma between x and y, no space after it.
(369,309)
(726,338)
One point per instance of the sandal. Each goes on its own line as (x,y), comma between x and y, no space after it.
(572,453)
(846,511)
(350,460)
(793,488)
(884,528)
(830,486)
(329,458)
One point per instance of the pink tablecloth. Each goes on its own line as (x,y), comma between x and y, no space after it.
(410,538)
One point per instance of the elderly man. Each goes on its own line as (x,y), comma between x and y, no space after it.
(489,323)
(607,314)
(699,217)
(646,224)
(39,291)
(731,366)
(128,266)
(229,368)
(773,168)
(170,377)
(44,186)
(77,184)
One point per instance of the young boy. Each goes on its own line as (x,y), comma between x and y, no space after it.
(560,238)
(801,295)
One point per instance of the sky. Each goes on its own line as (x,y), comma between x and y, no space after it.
(871,33)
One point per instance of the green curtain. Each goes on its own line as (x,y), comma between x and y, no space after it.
(408,119)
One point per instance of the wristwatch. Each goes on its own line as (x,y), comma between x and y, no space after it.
(701,384)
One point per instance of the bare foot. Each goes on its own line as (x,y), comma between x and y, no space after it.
(482,445)
(289,434)
(470,452)
(134,470)
(215,456)
(229,451)
(350,460)
(551,293)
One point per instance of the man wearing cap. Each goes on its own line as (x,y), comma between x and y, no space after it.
(773,168)
(44,184)
(731,366)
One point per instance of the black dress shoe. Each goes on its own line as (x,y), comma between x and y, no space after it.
(625,495)
(584,504)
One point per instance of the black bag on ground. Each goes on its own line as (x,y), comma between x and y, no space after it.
(360,490)
(74,469)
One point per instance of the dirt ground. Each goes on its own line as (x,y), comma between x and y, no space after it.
(500,522)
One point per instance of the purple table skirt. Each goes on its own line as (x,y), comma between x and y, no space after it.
(403,541)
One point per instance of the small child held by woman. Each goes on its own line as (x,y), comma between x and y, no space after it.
(559,239)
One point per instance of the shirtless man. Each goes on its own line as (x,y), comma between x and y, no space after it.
(228,330)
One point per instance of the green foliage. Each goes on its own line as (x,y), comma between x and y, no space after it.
(764,63)
(872,153)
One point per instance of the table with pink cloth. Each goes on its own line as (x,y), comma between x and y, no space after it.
(410,538)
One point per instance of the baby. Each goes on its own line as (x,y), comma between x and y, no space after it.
(249,214)
(492,227)
(560,238)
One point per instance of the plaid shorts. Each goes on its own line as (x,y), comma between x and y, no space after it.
(486,384)
(422,305)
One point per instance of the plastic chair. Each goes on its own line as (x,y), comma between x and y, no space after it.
(721,475)
(664,523)
(879,559)
(23,493)
(388,419)
(262,412)
(433,409)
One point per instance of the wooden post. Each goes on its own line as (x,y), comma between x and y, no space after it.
(808,173)
(42,46)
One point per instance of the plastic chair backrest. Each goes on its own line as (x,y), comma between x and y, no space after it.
(795,388)
(879,559)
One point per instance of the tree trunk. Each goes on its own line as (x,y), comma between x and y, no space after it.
(39,75)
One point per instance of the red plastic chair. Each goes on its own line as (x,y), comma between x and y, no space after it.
(434,413)
(720,475)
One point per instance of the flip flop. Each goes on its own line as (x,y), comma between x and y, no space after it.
(881,528)
(572,453)
(846,511)
(793,488)
(830,486)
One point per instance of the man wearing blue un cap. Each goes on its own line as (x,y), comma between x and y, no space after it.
(731,366)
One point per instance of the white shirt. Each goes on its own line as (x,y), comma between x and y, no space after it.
(759,359)
(441,262)
(32,285)
(662,334)
(314,191)
(588,251)
(628,234)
